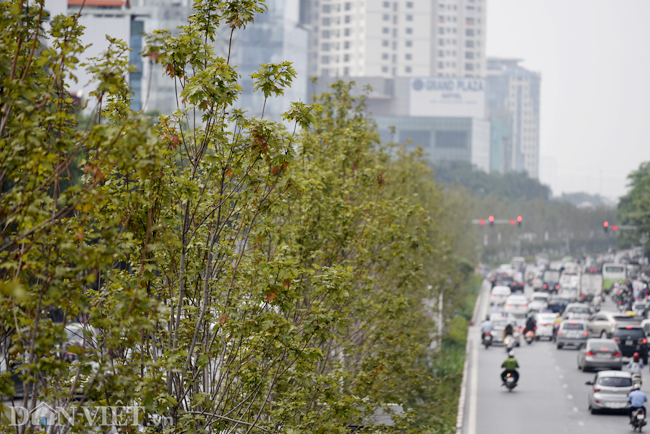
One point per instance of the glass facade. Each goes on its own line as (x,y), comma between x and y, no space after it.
(464,139)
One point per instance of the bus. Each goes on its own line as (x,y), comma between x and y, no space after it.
(613,273)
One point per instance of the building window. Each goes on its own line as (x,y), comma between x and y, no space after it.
(386,17)
(469,67)
(346,71)
(469,55)
(326,9)
(346,57)
(469,32)
(451,139)
(409,18)
(346,45)
(441,53)
(326,21)
(325,60)
(326,34)
(441,30)
(418,138)
(469,21)
(385,30)
(409,5)
(346,32)
(441,65)
(394,45)
(409,56)
(384,69)
(348,6)
(408,69)
(384,43)
(469,44)
(325,47)
(409,30)
(395,19)
(347,18)
(394,58)
(386,4)
(384,56)
(409,43)
(441,42)
(395,32)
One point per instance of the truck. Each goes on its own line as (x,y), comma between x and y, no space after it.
(591,285)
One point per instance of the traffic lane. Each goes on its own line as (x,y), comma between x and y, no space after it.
(573,380)
(539,403)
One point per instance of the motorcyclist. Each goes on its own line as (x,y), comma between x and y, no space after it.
(508,330)
(510,366)
(636,398)
(636,365)
(486,327)
(531,323)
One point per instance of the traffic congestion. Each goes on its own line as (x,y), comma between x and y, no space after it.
(594,307)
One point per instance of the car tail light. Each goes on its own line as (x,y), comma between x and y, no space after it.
(557,286)
(590,353)
(545,286)
(617,354)
(508,304)
(525,305)
(617,340)
(629,327)
(614,324)
(517,329)
(596,390)
(643,341)
(586,332)
(582,296)
(559,332)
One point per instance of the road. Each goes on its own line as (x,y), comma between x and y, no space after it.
(551,396)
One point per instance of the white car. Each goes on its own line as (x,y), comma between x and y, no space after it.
(577,311)
(516,305)
(499,294)
(538,302)
(545,322)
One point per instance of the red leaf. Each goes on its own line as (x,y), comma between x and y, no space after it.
(223,319)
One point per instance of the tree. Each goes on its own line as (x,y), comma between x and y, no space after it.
(634,207)
(228,274)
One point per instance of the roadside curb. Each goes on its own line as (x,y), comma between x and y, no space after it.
(460,415)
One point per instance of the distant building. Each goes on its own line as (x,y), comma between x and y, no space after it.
(445,116)
(513,109)
(416,38)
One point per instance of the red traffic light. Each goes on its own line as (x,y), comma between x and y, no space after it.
(481,222)
(606,224)
(491,219)
(615,228)
(520,219)
(512,222)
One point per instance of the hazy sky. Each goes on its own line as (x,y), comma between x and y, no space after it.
(594,57)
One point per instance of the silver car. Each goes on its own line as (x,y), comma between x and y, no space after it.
(577,311)
(600,353)
(499,325)
(571,333)
(609,391)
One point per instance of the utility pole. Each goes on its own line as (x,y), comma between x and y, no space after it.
(440,304)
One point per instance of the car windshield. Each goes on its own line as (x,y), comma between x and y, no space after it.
(631,332)
(539,298)
(573,326)
(603,345)
(615,381)
(500,291)
(639,306)
(578,309)
(500,324)
(546,318)
(551,276)
(517,300)
(621,318)
(611,269)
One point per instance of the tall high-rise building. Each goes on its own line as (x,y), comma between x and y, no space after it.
(513,109)
(414,38)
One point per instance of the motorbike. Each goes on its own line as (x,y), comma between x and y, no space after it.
(487,340)
(638,419)
(509,343)
(510,382)
(636,379)
(530,337)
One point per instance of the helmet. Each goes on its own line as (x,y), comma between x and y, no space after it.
(636,386)
(487,317)
(511,353)
(636,355)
